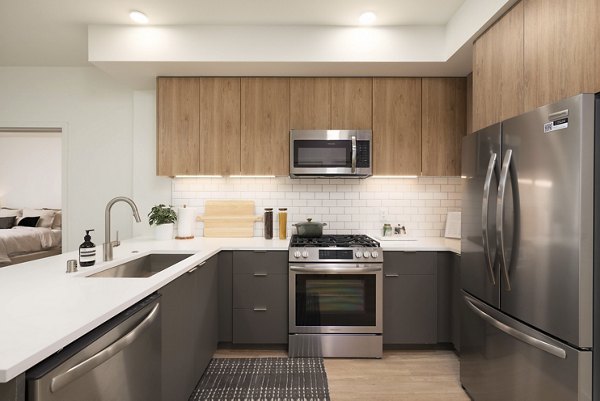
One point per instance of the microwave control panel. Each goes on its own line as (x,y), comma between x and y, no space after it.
(363,152)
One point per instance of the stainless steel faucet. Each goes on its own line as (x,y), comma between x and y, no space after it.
(107,247)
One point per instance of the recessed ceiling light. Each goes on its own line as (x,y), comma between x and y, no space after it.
(367,18)
(138,16)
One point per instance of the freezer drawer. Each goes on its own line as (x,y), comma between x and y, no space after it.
(504,360)
(120,360)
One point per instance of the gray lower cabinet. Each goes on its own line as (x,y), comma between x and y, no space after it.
(260,297)
(449,299)
(13,390)
(225,259)
(189,329)
(456,301)
(444,301)
(409,298)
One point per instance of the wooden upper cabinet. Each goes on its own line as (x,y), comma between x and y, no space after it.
(351,103)
(561,49)
(469,103)
(219,126)
(498,81)
(443,125)
(310,103)
(396,126)
(265,126)
(178,125)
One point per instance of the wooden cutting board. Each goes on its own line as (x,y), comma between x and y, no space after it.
(229,218)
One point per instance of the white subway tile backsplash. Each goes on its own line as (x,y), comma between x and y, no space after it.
(346,205)
(307,195)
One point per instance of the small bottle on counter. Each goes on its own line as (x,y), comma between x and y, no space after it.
(268,220)
(282,223)
(387,230)
(87,251)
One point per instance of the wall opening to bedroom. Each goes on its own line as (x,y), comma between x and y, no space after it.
(31,175)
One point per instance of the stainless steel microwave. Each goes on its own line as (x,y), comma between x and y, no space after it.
(331,153)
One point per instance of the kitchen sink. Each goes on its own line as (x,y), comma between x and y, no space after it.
(145,266)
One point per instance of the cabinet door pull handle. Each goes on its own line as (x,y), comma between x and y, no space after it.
(260,274)
(260,309)
(392,275)
(260,251)
(193,269)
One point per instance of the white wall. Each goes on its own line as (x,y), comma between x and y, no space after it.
(96,115)
(148,189)
(30,170)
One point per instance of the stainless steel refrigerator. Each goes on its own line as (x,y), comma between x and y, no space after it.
(529,222)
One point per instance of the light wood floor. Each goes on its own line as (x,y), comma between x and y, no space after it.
(401,375)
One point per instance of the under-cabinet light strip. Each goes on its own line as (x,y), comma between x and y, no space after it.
(220,176)
(394,176)
(198,176)
(251,176)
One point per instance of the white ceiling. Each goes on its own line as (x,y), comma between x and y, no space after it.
(54,32)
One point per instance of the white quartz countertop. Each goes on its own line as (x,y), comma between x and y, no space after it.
(42,308)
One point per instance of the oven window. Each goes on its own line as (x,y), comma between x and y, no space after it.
(321,153)
(335,300)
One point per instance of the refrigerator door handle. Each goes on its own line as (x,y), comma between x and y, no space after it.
(519,335)
(484,217)
(500,216)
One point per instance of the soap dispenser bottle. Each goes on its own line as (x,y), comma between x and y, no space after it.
(87,251)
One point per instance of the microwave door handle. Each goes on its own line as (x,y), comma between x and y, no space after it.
(353,154)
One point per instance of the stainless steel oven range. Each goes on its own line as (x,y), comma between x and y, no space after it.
(335,290)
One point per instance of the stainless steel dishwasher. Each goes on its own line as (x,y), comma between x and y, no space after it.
(119,360)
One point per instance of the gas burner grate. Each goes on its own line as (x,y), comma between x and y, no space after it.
(340,241)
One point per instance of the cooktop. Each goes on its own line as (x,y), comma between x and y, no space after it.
(338,241)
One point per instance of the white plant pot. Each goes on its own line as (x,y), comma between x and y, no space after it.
(163,232)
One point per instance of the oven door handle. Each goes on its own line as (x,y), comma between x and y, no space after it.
(368,269)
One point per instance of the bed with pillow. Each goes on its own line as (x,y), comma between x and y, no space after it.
(29,234)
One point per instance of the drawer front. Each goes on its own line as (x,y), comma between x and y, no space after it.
(250,291)
(409,262)
(250,262)
(260,327)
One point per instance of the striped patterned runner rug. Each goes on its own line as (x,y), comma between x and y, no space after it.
(254,379)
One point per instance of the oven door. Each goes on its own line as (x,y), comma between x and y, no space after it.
(330,153)
(335,298)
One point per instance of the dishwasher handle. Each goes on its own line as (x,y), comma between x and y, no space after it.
(99,358)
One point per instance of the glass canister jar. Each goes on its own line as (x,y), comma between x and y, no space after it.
(282,223)
(387,230)
(268,220)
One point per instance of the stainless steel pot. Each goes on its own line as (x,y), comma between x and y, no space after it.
(310,228)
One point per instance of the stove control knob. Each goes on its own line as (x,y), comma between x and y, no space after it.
(358,254)
(297,254)
(305,254)
(374,254)
(367,254)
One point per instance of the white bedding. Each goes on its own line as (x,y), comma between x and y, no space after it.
(20,240)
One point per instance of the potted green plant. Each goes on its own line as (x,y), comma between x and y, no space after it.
(163,217)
